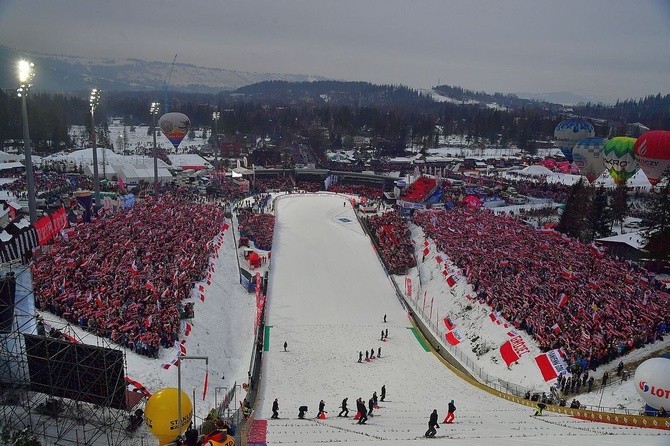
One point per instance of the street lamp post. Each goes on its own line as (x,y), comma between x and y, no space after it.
(94,101)
(215,116)
(25,76)
(180,422)
(155,107)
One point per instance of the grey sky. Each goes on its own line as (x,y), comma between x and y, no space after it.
(595,48)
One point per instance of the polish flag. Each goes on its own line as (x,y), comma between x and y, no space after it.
(551,364)
(167,365)
(133,269)
(562,300)
(493,317)
(451,281)
(426,251)
(508,354)
(186,328)
(150,286)
(454,337)
(202,297)
(568,274)
(448,323)
(555,328)
(98,301)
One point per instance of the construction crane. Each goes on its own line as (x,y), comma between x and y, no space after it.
(166,83)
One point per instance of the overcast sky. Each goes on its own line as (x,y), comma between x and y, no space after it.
(595,48)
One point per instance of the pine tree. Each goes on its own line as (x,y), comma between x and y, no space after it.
(620,207)
(574,218)
(600,218)
(657,236)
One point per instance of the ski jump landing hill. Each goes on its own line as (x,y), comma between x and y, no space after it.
(327,298)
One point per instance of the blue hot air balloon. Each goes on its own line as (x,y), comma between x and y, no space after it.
(567,133)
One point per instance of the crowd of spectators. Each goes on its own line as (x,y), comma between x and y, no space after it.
(266,184)
(393,237)
(565,294)
(126,277)
(258,227)
(362,190)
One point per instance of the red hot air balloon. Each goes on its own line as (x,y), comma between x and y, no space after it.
(652,150)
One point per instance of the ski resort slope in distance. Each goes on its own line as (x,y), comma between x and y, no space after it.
(327,297)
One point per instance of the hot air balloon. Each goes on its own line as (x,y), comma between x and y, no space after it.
(588,157)
(652,150)
(567,133)
(652,381)
(174,126)
(619,158)
(161,414)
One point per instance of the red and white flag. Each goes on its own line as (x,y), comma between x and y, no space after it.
(150,286)
(555,328)
(508,354)
(551,364)
(562,299)
(454,337)
(513,349)
(186,328)
(451,281)
(167,365)
(567,273)
(133,269)
(447,323)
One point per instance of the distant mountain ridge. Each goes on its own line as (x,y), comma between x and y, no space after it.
(69,74)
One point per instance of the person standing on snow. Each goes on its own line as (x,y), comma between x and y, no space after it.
(450,412)
(275,409)
(322,406)
(432,424)
(344,410)
(383,394)
(360,406)
(371,406)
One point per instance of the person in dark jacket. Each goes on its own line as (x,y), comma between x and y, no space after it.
(344,410)
(275,409)
(383,394)
(360,406)
(322,406)
(432,424)
(371,406)
(450,412)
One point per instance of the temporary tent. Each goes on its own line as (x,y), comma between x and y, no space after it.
(254,260)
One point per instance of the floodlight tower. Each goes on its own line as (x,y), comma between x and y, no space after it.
(155,108)
(216,116)
(26,74)
(94,101)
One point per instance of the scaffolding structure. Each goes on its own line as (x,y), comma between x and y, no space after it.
(57,383)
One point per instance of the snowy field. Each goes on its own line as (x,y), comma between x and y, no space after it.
(327,298)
